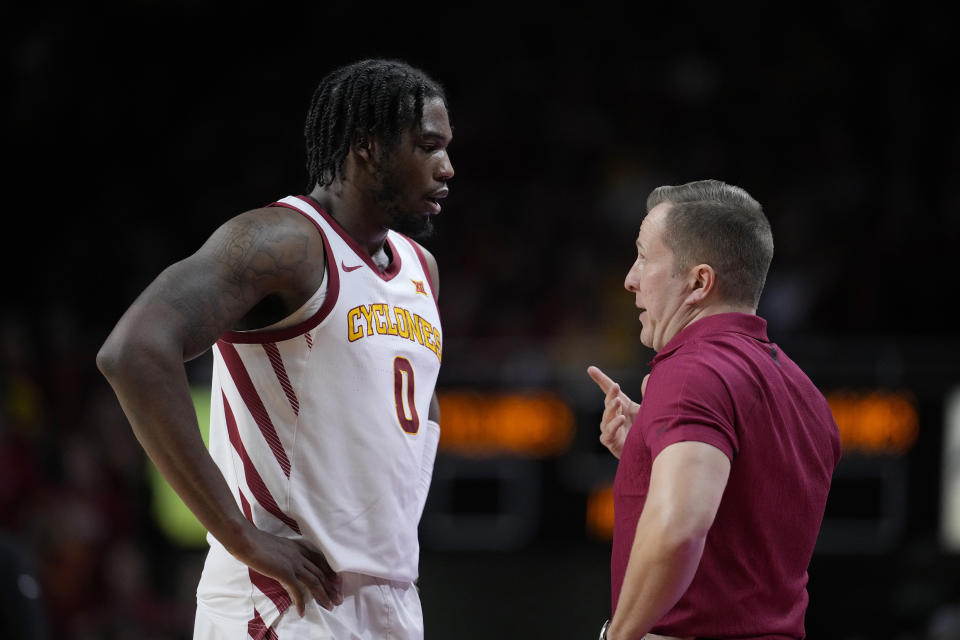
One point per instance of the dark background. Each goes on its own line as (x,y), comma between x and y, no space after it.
(132,131)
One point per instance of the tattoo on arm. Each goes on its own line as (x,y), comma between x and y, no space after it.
(246,260)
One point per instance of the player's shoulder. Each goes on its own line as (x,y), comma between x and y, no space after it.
(429,261)
(425,253)
(275,213)
(272,223)
(419,248)
(270,235)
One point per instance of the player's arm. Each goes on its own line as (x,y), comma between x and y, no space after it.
(261,255)
(686,484)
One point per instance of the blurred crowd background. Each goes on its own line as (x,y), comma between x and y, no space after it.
(132,131)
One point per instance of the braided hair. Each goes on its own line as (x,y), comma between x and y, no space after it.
(382,98)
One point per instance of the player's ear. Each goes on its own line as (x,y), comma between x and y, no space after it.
(363,146)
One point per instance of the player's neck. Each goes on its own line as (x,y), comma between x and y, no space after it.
(353,214)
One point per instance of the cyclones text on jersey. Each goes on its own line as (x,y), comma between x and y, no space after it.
(382,319)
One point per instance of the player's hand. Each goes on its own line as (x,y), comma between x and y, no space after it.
(302,571)
(619,411)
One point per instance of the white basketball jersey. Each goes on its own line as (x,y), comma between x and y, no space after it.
(321,427)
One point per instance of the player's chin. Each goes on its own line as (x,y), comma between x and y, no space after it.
(424,231)
(418,226)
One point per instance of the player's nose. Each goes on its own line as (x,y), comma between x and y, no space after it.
(445,168)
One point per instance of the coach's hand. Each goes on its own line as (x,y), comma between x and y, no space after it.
(303,572)
(619,410)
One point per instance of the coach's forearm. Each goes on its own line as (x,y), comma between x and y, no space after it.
(661,568)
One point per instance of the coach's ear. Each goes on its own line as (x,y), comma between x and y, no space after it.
(702,280)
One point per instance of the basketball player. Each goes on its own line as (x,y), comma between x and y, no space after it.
(323,320)
(725,466)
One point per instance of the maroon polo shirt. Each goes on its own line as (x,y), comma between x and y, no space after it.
(721,381)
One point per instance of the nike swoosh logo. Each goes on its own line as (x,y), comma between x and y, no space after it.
(353,268)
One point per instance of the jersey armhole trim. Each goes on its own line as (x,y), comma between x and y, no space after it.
(426,269)
(333,292)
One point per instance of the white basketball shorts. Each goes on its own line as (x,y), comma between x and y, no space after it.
(372,609)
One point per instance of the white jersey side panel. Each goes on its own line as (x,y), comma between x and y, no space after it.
(321,428)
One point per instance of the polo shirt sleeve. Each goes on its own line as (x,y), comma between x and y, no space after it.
(687,401)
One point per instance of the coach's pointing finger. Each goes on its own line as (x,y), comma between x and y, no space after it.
(602,379)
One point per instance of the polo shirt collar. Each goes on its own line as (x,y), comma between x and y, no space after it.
(745,323)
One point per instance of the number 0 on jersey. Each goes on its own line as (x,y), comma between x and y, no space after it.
(403,389)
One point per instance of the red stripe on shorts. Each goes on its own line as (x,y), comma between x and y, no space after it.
(267,585)
(258,630)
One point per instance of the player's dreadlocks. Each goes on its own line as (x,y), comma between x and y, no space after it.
(371,97)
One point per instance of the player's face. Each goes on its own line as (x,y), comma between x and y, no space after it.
(659,292)
(413,178)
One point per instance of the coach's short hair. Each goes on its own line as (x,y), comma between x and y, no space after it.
(711,222)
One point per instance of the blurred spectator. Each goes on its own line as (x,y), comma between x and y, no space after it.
(945,623)
(22,613)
